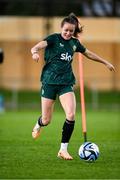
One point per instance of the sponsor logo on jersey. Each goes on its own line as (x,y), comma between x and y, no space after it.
(66,57)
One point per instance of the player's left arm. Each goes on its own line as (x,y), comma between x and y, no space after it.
(90,55)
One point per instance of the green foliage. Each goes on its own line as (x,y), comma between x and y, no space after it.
(21,157)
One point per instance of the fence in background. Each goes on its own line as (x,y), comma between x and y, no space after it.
(15,99)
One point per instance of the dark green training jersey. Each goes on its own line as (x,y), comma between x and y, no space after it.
(58,59)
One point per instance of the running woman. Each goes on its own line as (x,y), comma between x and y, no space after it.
(58,79)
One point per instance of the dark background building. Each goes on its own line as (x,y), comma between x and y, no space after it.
(98,8)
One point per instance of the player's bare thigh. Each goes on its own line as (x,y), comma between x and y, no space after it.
(47,106)
(68,102)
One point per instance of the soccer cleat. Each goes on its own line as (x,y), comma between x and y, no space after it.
(64,155)
(36,131)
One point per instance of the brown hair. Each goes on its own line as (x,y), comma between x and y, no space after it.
(72,19)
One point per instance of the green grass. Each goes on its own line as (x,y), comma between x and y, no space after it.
(21,157)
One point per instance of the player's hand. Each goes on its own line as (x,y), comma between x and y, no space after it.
(110,67)
(36,57)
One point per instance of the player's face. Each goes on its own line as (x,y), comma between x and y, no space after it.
(67,30)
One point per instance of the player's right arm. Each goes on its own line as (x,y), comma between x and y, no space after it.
(36,48)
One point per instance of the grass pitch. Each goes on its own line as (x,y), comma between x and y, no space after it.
(21,157)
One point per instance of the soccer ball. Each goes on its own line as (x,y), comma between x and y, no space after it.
(88,152)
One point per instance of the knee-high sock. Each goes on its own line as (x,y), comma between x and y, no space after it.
(68,128)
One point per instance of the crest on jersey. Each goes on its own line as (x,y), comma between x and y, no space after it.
(74,48)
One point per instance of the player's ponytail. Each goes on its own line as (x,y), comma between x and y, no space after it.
(78,26)
(72,19)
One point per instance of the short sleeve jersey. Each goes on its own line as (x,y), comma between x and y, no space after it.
(58,58)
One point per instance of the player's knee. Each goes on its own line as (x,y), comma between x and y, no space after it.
(70,115)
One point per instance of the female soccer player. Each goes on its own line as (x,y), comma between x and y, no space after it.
(58,79)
